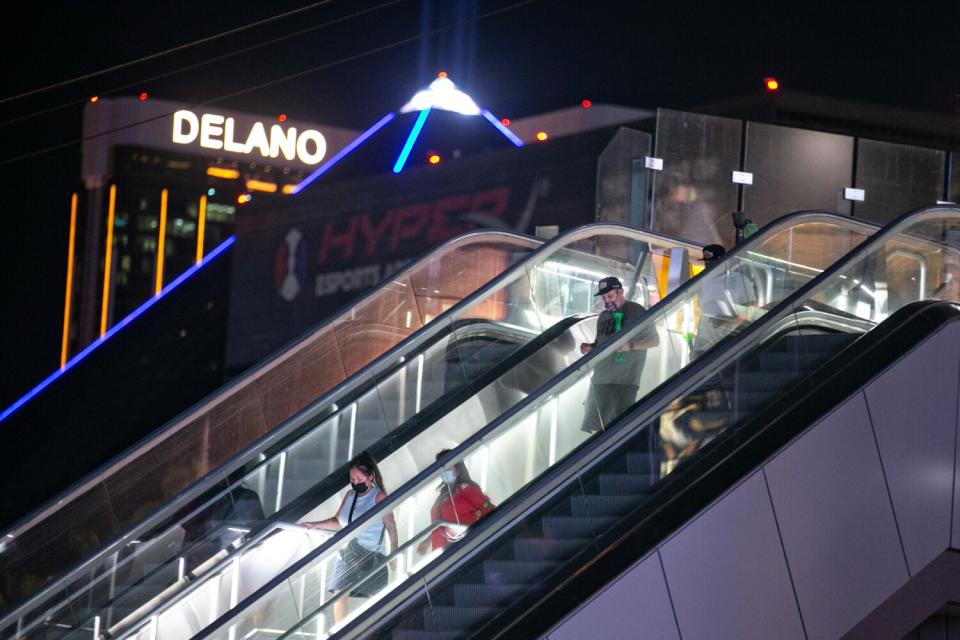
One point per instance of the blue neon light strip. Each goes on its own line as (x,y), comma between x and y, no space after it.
(117,327)
(359,140)
(510,135)
(408,146)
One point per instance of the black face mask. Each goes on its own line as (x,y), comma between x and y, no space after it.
(359,487)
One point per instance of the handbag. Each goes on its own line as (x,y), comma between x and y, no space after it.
(363,562)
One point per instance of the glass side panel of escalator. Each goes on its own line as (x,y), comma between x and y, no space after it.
(513,451)
(77,524)
(661,448)
(523,308)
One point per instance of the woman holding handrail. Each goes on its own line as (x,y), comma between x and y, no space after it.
(461,500)
(365,554)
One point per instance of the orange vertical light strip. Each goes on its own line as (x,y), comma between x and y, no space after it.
(69,294)
(161,240)
(111,209)
(201,227)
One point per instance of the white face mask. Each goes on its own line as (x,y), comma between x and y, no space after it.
(449,476)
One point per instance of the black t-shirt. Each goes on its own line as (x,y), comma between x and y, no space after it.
(627,368)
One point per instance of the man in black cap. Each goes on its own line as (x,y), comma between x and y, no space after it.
(722,297)
(616,378)
(712,253)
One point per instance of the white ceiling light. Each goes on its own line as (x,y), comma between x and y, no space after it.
(442,94)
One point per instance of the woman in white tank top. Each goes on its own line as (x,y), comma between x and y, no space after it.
(366,493)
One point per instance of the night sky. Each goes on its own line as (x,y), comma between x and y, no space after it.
(528,59)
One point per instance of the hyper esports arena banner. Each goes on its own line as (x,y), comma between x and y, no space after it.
(314,254)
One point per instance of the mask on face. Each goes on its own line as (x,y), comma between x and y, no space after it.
(611,306)
(449,476)
(359,487)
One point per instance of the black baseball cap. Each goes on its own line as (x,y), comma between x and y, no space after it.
(607,285)
(713,251)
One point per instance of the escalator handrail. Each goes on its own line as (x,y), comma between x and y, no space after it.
(268,439)
(778,225)
(597,449)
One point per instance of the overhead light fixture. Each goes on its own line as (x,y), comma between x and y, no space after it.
(442,94)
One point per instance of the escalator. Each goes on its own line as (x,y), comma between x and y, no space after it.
(696,443)
(97,509)
(515,450)
(478,359)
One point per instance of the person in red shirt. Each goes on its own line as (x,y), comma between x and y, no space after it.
(461,500)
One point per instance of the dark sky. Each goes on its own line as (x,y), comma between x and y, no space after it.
(539,56)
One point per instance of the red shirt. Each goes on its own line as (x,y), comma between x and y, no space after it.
(467,505)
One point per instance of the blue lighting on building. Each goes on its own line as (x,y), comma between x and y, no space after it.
(115,328)
(359,140)
(412,138)
(510,135)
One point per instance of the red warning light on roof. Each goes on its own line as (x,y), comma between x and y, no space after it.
(771,84)
(282,117)
(505,122)
(442,74)
(542,136)
(143,96)
(586,104)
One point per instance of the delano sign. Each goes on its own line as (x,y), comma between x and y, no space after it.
(219,132)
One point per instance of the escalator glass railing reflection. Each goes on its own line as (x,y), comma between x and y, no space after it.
(459,351)
(513,451)
(568,518)
(86,519)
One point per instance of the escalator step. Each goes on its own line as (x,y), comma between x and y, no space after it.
(774,362)
(498,572)
(417,634)
(615,484)
(591,506)
(765,381)
(460,618)
(572,527)
(485,595)
(534,549)
(642,463)
(746,401)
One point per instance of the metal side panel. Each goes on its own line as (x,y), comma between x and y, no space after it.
(839,532)
(636,605)
(913,409)
(726,557)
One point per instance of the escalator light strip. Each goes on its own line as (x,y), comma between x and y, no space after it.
(69,294)
(411,139)
(161,242)
(114,329)
(201,227)
(340,155)
(509,135)
(107,259)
